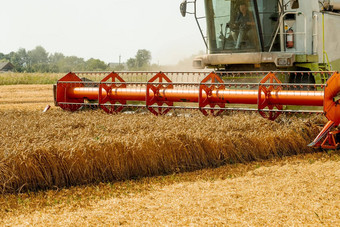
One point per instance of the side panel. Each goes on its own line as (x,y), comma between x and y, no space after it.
(331,39)
(302,41)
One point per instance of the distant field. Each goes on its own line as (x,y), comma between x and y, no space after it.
(29,78)
(35,78)
(25,97)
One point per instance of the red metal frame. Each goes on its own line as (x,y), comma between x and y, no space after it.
(330,142)
(154,96)
(207,89)
(264,97)
(62,95)
(106,93)
(211,96)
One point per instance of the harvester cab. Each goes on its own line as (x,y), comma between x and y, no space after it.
(255,35)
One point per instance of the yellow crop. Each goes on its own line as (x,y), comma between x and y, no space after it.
(60,149)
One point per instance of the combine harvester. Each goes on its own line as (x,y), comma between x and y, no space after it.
(276,41)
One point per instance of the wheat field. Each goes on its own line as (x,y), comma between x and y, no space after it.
(294,190)
(10,78)
(238,169)
(61,149)
(25,97)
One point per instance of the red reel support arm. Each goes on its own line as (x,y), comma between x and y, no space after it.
(264,96)
(153,95)
(106,90)
(207,89)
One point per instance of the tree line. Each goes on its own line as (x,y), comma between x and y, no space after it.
(39,60)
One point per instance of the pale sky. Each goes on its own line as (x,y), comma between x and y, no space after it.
(101,29)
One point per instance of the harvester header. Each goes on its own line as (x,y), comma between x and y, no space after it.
(211,95)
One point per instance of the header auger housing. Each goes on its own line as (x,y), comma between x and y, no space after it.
(211,95)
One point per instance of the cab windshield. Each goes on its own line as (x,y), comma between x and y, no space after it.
(241,26)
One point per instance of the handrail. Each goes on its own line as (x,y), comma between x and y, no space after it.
(296,33)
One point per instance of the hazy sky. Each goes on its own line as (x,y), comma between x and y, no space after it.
(101,29)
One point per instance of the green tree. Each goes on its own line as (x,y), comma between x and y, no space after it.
(96,65)
(38,60)
(71,63)
(55,61)
(19,59)
(141,61)
(131,64)
(56,57)
(119,67)
(38,55)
